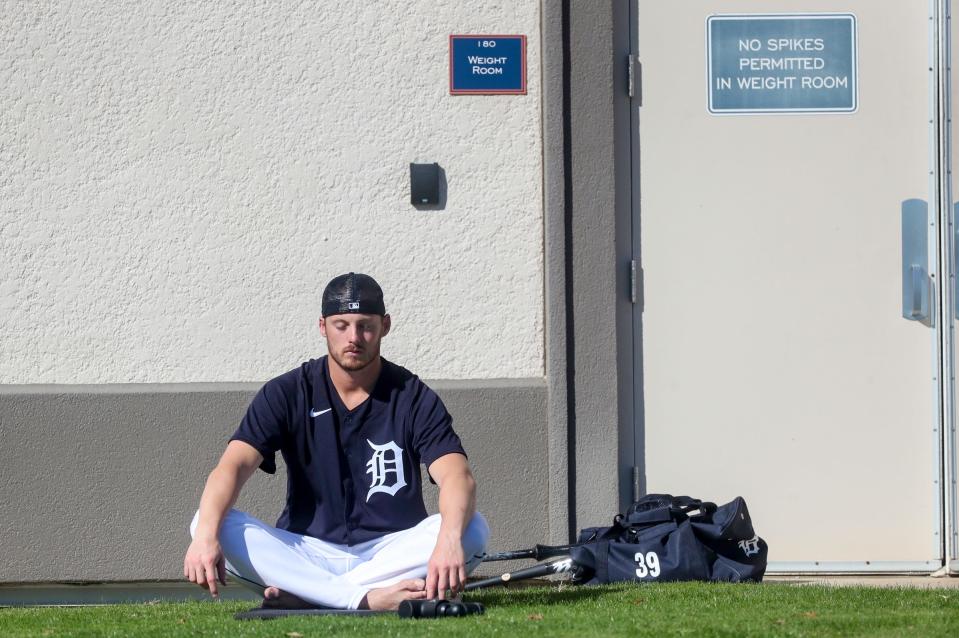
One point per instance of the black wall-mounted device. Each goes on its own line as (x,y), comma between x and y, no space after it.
(424,184)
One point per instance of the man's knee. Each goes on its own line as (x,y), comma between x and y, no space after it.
(476,536)
(479,527)
(231,516)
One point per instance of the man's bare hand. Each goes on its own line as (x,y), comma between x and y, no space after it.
(204,565)
(447,567)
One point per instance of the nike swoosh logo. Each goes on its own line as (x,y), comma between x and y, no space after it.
(315,413)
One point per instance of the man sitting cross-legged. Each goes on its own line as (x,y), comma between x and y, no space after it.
(353,430)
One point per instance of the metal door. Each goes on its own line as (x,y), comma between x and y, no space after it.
(777,363)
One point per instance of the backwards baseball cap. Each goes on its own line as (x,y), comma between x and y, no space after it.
(353,293)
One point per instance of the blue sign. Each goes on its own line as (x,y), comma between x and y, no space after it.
(803,63)
(488,64)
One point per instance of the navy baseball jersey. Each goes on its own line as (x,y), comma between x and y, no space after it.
(352,475)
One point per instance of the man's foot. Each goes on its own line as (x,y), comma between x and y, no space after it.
(389,598)
(275,598)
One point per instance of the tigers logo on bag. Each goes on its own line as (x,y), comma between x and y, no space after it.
(750,546)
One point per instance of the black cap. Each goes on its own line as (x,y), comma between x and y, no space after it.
(353,293)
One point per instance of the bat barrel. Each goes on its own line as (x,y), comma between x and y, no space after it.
(516,554)
(538,553)
(543,569)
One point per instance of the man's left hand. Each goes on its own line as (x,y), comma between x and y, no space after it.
(447,567)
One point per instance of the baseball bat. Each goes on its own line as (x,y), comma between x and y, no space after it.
(539,552)
(556,567)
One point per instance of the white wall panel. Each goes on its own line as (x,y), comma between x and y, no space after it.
(178,181)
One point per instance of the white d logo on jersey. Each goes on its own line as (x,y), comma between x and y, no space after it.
(386,458)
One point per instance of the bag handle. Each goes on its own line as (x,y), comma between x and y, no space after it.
(688,504)
(653,509)
(651,502)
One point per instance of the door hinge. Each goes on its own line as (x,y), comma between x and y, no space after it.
(635,281)
(635,75)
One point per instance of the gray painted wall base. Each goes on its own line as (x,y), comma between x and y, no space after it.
(100,483)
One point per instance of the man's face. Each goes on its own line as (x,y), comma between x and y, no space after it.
(353,340)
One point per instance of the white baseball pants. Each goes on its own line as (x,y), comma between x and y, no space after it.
(329,574)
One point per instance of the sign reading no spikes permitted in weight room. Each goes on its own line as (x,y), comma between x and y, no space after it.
(782,63)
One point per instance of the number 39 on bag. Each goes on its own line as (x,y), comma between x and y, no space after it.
(647,565)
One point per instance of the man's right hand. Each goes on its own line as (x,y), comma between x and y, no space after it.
(204,564)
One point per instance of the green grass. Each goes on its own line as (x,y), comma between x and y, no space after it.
(675,609)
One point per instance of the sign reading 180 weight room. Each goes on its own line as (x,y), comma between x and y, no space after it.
(488,64)
(799,63)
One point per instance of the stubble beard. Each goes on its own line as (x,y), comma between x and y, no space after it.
(355,364)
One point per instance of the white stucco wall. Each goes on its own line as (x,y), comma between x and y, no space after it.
(178,180)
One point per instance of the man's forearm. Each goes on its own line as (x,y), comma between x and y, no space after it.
(457,504)
(447,568)
(222,488)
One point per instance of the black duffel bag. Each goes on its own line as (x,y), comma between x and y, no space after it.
(671,538)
